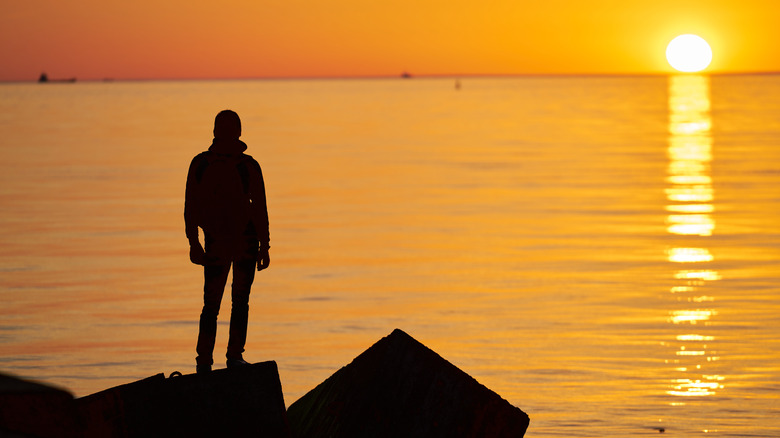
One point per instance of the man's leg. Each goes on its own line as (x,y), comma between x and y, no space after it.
(243,276)
(215,277)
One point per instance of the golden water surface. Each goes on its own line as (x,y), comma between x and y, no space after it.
(600,251)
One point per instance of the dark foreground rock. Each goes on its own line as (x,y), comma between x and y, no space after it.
(224,403)
(400,388)
(32,409)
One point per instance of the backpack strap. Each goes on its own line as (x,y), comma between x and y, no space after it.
(203,163)
(243,172)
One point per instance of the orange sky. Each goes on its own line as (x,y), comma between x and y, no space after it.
(95,39)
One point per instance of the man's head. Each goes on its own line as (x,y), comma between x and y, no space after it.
(227,125)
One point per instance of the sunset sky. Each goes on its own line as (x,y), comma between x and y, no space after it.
(139,39)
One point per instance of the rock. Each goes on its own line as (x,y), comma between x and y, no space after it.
(32,409)
(246,401)
(400,388)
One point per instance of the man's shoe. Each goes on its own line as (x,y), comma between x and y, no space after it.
(202,369)
(236,363)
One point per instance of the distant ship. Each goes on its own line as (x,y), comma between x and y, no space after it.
(45,78)
(406,75)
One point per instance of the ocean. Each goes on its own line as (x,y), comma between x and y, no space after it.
(603,252)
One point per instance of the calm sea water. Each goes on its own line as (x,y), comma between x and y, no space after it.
(602,252)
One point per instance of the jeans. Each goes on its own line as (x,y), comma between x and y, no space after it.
(215,279)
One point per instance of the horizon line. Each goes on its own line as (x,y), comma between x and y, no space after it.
(402,76)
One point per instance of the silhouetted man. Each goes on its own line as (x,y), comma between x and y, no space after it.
(225,197)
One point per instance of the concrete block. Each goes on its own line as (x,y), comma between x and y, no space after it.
(238,402)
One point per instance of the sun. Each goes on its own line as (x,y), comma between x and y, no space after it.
(689,53)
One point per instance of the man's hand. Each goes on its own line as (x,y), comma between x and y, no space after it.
(197,255)
(263,259)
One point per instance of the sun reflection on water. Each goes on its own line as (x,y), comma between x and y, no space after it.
(690,195)
(689,255)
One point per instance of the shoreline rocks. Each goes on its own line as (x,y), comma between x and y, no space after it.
(396,388)
(401,388)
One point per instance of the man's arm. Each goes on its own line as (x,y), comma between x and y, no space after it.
(260,215)
(191,212)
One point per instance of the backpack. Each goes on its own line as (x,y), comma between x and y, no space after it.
(223,194)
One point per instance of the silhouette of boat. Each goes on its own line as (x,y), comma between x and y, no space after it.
(44,78)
